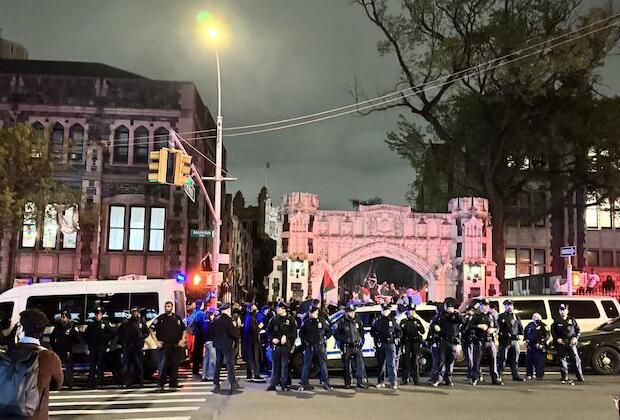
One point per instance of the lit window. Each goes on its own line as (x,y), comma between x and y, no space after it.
(141,145)
(29,227)
(604,214)
(591,213)
(69,240)
(50,227)
(117,228)
(136,229)
(617,213)
(156,233)
(523,263)
(76,137)
(539,261)
(121,145)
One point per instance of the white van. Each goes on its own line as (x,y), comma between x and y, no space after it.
(116,297)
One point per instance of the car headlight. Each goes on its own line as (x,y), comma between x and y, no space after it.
(585,343)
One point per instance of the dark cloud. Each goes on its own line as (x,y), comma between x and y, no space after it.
(284,58)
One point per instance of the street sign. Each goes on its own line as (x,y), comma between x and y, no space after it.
(195,233)
(190,191)
(568,251)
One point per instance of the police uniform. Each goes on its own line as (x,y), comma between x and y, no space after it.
(536,336)
(510,328)
(433,340)
(349,333)
(448,337)
(412,333)
(467,339)
(566,329)
(62,340)
(169,330)
(278,327)
(386,332)
(484,342)
(225,336)
(132,334)
(313,334)
(97,336)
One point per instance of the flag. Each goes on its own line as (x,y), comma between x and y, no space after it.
(327,284)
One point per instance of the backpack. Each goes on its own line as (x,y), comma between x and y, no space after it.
(19,395)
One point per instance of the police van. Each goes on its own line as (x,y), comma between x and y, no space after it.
(80,298)
(367,315)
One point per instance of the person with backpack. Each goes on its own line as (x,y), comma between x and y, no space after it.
(28,372)
(62,339)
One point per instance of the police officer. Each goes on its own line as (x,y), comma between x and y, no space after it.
(349,333)
(225,335)
(448,329)
(565,332)
(467,337)
(168,331)
(536,337)
(281,332)
(433,340)
(484,326)
(313,334)
(195,324)
(97,336)
(510,330)
(251,344)
(62,340)
(412,333)
(386,332)
(132,334)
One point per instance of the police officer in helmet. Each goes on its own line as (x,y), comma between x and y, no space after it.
(349,333)
(313,334)
(447,328)
(566,332)
(386,332)
(510,331)
(484,326)
(412,333)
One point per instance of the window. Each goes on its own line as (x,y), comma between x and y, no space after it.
(284,245)
(610,308)
(539,262)
(156,234)
(617,213)
(76,143)
(116,236)
(510,271)
(459,249)
(147,302)
(50,227)
(592,257)
(141,145)
(310,247)
(57,137)
(285,224)
(69,240)
(6,312)
(426,314)
(311,224)
(523,263)
(580,309)
(591,213)
(52,306)
(29,227)
(121,145)
(527,308)
(161,139)
(38,128)
(607,259)
(459,228)
(115,306)
(604,214)
(367,318)
(136,228)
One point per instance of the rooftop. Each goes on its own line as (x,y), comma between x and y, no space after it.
(65,68)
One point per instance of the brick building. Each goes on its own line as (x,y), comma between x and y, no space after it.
(102,122)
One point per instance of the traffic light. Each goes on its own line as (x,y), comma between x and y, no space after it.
(158,166)
(182,168)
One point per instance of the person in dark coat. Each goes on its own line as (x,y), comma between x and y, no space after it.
(412,336)
(132,334)
(225,335)
(251,344)
(98,334)
(169,335)
(282,332)
(195,324)
(62,340)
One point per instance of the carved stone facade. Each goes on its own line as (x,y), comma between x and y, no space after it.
(451,251)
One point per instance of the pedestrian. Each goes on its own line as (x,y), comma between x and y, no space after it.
(386,332)
(448,329)
(313,334)
(608,285)
(510,332)
(208,364)
(195,327)
(168,332)
(63,338)
(282,332)
(98,334)
(46,375)
(251,344)
(132,334)
(412,336)
(349,333)
(593,279)
(566,332)
(536,337)
(485,327)
(225,335)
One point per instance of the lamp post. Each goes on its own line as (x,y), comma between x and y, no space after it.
(218,165)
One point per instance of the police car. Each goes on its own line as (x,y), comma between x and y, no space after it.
(367,314)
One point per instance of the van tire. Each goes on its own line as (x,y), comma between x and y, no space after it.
(606,361)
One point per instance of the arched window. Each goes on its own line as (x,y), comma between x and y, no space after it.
(120,154)
(76,144)
(57,136)
(38,128)
(141,145)
(161,138)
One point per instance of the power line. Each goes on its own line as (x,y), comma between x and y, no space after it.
(201,154)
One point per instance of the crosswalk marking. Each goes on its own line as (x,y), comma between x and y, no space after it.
(121,411)
(152,401)
(128,395)
(160,418)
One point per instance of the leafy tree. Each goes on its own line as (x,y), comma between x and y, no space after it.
(356,202)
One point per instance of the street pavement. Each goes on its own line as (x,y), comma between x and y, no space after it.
(547,400)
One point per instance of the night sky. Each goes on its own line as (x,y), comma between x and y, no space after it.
(283,58)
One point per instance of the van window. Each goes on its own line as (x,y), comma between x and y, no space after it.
(367,318)
(579,309)
(426,314)
(610,308)
(179,303)
(147,302)
(115,306)
(51,306)
(526,308)
(6,312)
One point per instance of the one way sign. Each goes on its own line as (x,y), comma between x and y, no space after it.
(568,251)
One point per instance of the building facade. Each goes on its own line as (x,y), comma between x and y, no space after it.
(450,251)
(12,50)
(102,122)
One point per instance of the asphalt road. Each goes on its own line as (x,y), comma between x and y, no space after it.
(547,400)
